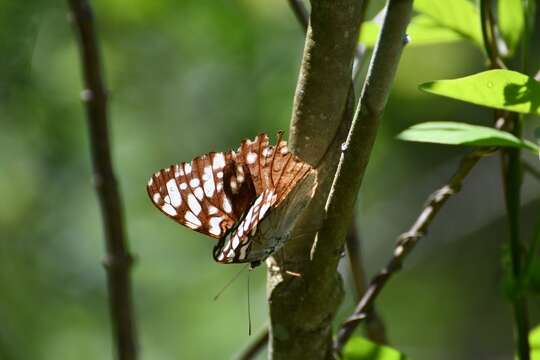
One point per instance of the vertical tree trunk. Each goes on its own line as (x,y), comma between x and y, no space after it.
(302,308)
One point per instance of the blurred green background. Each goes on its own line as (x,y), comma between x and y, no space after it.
(189,77)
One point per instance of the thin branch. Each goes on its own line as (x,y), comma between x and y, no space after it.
(118,260)
(512,174)
(531,170)
(255,346)
(489,35)
(375,329)
(357,149)
(406,243)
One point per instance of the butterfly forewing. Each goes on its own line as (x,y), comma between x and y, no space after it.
(192,194)
(227,195)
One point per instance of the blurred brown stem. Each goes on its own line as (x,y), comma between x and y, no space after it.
(406,243)
(118,260)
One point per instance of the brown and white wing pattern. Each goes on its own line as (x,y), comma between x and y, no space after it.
(274,174)
(194,195)
(226,195)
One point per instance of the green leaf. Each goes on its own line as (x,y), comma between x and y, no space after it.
(499,89)
(534,341)
(455,133)
(359,348)
(460,16)
(422,30)
(511,22)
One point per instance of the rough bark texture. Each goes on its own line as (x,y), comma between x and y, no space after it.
(302,308)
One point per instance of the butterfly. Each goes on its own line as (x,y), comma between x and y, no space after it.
(248,199)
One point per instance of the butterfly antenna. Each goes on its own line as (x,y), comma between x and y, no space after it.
(230,282)
(249,304)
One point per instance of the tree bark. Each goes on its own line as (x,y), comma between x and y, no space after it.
(302,308)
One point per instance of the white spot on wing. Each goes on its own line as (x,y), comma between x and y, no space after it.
(168,209)
(191,225)
(178,171)
(234,185)
(247,220)
(183,186)
(251,157)
(214,225)
(194,204)
(284,150)
(227,205)
(219,161)
(220,175)
(199,193)
(267,152)
(209,184)
(151,182)
(230,254)
(174,194)
(194,183)
(189,216)
(156,197)
(264,209)
(258,201)
(212,210)
(187,167)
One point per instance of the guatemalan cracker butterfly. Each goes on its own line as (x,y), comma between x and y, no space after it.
(249,199)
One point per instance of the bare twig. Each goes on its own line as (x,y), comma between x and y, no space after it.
(531,170)
(488,35)
(406,243)
(375,329)
(254,347)
(118,260)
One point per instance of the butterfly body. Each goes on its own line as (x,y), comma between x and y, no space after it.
(248,199)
